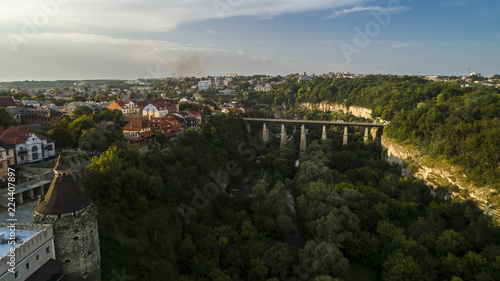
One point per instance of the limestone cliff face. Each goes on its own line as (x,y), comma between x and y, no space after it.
(438,173)
(415,163)
(325,106)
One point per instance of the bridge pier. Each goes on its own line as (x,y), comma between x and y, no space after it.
(303,142)
(365,139)
(378,137)
(345,136)
(265,133)
(324,137)
(283,135)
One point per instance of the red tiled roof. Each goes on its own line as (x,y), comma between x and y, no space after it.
(7,101)
(44,138)
(15,135)
(147,134)
(135,125)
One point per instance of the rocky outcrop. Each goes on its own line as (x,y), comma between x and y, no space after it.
(326,106)
(438,173)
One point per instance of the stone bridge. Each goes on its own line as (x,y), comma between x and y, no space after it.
(265,133)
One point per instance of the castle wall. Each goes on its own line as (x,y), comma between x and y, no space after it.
(76,242)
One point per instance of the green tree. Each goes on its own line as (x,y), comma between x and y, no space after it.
(78,125)
(6,119)
(323,258)
(92,140)
(258,271)
(278,259)
(400,267)
(82,110)
(62,137)
(451,242)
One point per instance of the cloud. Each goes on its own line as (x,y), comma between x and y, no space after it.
(77,55)
(105,16)
(357,9)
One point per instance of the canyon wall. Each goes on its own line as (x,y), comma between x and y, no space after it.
(439,173)
(415,163)
(325,106)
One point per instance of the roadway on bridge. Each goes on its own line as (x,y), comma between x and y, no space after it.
(317,122)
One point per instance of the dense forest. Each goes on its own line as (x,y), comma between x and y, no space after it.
(340,213)
(443,119)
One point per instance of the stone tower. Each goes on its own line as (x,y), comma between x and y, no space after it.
(73,218)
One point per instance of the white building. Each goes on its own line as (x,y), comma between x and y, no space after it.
(204,85)
(155,110)
(30,147)
(33,255)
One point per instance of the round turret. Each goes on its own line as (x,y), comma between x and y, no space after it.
(73,218)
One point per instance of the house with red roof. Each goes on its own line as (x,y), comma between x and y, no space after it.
(156,109)
(137,130)
(29,147)
(167,125)
(128,108)
(7,102)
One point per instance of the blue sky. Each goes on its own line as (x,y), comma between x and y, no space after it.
(129,39)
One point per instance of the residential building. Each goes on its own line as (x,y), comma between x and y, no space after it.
(7,102)
(30,147)
(155,109)
(186,119)
(34,253)
(16,113)
(265,88)
(7,158)
(70,107)
(134,128)
(304,78)
(45,117)
(32,103)
(227,92)
(204,85)
(128,108)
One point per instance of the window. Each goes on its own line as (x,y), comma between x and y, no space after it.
(8,161)
(28,265)
(34,153)
(16,274)
(37,257)
(47,250)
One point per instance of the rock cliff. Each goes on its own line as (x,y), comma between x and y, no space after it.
(325,106)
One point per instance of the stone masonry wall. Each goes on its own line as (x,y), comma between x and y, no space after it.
(76,242)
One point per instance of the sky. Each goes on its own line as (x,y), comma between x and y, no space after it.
(131,39)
